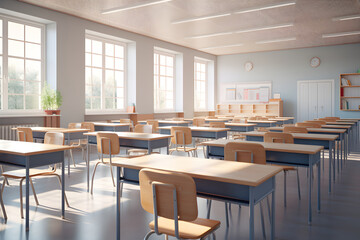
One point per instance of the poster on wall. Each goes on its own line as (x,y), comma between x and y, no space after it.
(246,92)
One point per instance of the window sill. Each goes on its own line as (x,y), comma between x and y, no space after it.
(107,113)
(18,115)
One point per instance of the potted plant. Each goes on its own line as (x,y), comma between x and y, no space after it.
(51,100)
(131,109)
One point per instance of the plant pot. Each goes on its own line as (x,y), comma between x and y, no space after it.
(131,109)
(52,112)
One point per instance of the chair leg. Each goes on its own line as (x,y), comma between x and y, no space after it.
(209,209)
(33,189)
(262,220)
(66,200)
(72,157)
(149,234)
(298,182)
(21,199)
(112,175)
(2,170)
(92,179)
(3,185)
(284,188)
(2,204)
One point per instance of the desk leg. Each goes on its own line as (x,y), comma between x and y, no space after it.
(88,163)
(27,195)
(63,188)
(330,163)
(334,160)
(273,211)
(318,187)
(118,200)
(68,142)
(310,185)
(341,148)
(251,213)
(149,148)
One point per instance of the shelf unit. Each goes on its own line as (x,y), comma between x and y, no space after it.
(247,110)
(350,94)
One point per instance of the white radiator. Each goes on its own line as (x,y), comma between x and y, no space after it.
(6,132)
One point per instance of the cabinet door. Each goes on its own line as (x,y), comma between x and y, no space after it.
(303,102)
(324,99)
(313,101)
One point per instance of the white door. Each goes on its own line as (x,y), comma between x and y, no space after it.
(324,95)
(313,100)
(303,107)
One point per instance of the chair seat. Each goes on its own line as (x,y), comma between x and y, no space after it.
(21,173)
(187,149)
(138,151)
(187,230)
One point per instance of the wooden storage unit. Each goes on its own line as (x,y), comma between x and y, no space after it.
(350,92)
(52,121)
(273,108)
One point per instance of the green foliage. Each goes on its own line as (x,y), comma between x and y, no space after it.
(50,99)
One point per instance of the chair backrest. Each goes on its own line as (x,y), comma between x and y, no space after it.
(262,129)
(211,117)
(142,128)
(74,125)
(179,133)
(154,124)
(217,124)
(290,129)
(308,125)
(278,137)
(103,139)
(56,138)
(162,184)
(24,134)
(177,119)
(316,121)
(198,122)
(88,125)
(245,152)
(123,120)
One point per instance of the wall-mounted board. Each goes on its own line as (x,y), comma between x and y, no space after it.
(259,92)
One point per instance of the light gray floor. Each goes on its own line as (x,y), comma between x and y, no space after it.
(93,217)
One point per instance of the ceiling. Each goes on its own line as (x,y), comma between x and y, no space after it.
(261,25)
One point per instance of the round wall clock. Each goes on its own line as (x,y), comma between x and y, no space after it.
(248,66)
(315,62)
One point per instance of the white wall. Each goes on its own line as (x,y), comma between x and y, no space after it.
(285,68)
(70,61)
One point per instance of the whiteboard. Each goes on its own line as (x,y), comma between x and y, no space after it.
(259,92)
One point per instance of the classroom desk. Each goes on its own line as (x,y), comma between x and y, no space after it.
(241,183)
(201,132)
(69,134)
(30,155)
(163,123)
(325,140)
(113,127)
(209,120)
(355,121)
(240,127)
(287,120)
(147,141)
(263,123)
(297,155)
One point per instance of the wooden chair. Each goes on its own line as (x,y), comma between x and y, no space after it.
(24,134)
(50,138)
(280,137)
(217,124)
(289,129)
(177,119)
(198,122)
(308,125)
(125,120)
(316,121)
(154,124)
(76,143)
(211,117)
(181,137)
(171,197)
(141,128)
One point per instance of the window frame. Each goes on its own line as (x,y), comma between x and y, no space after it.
(201,61)
(4,79)
(103,41)
(168,54)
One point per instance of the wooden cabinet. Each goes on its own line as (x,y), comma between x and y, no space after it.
(260,109)
(52,121)
(350,92)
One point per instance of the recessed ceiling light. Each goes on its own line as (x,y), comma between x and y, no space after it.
(201,18)
(277,5)
(344,18)
(223,46)
(210,35)
(132,6)
(276,40)
(342,34)
(265,28)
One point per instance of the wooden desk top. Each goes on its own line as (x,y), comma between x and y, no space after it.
(347,119)
(286,118)
(201,129)
(325,130)
(167,121)
(241,124)
(217,119)
(261,121)
(29,148)
(336,126)
(340,123)
(53,129)
(218,170)
(111,124)
(134,135)
(275,147)
(326,137)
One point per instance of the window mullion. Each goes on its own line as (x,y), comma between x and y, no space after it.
(5,65)
(103,77)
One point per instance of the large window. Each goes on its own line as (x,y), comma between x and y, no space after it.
(200,85)
(104,74)
(164,71)
(21,64)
